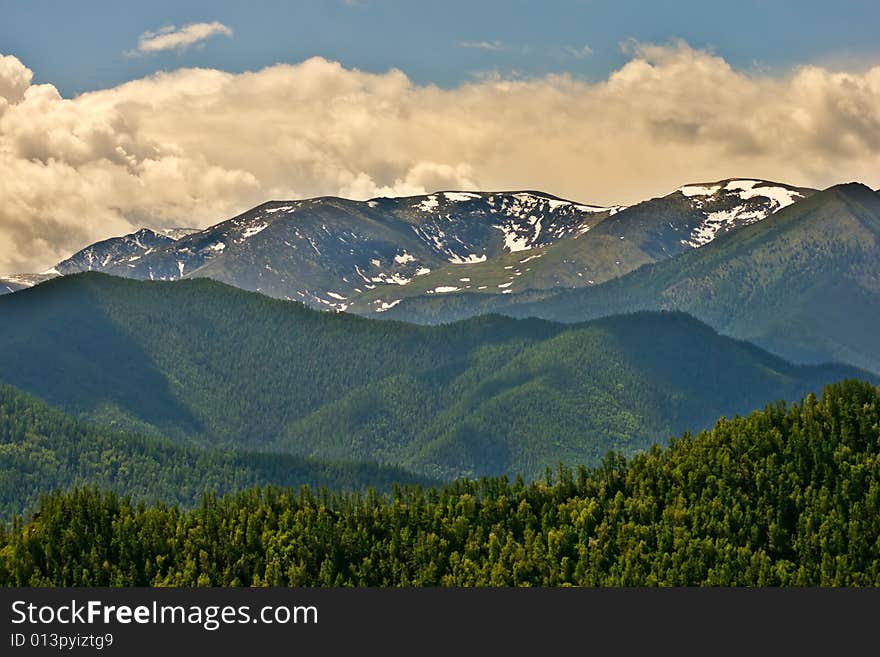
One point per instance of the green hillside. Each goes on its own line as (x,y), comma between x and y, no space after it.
(620,383)
(576,261)
(202,363)
(43,449)
(786,496)
(200,359)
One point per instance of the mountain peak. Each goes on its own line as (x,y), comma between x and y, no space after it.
(861,200)
(851,188)
(125,249)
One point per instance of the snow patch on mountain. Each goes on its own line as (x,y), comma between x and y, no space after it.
(250,231)
(283,208)
(722,221)
(175,233)
(429,204)
(469,259)
(595,209)
(698,190)
(386,305)
(781,196)
(519,237)
(457,197)
(513,240)
(389,279)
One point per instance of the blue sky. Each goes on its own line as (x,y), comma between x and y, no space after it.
(79,46)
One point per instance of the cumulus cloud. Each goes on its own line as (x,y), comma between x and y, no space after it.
(15,78)
(172,37)
(194,146)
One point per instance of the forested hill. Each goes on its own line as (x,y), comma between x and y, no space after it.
(42,449)
(203,363)
(785,496)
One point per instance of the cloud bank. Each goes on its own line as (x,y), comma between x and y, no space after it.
(172,37)
(194,146)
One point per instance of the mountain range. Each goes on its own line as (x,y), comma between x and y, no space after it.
(366,256)
(489,395)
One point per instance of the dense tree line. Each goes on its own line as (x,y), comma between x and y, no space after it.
(43,449)
(785,496)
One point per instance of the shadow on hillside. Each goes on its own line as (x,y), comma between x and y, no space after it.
(90,364)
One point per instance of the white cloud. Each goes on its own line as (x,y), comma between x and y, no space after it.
(481,45)
(195,146)
(172,37)
(581,52)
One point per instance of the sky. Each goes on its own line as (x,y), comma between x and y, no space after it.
(116,115)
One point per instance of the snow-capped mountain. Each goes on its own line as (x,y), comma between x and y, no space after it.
(366,256)
(326,251)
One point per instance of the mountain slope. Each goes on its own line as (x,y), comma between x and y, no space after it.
(804,284)
(205,363)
